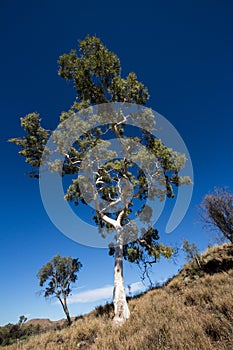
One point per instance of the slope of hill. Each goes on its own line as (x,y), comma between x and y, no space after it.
(194,311)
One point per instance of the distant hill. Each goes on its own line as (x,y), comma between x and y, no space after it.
(46,323)
(193,311)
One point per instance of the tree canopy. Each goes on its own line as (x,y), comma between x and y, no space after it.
(119,182)
(57,276)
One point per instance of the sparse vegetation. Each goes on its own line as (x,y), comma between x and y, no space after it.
(217,212)
(194,310)
(13,333)
(191,252)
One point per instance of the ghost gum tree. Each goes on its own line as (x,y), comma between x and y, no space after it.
(119,186)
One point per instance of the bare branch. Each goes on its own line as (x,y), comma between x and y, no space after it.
(217,212)
(109,220)
(120,216)
(109,206)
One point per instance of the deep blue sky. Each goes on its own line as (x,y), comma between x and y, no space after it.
(183,53)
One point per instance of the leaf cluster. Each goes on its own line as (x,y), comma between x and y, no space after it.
(95,72)
(33,143)
(145,250)
(144,167)
(58,274)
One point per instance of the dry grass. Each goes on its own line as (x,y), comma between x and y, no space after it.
(187,314)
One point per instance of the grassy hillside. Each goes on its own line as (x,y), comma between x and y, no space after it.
(193,311)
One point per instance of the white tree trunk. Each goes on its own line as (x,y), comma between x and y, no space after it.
(121,309)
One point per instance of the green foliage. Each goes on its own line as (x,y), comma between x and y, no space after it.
(58,274)
(145,251)
(192,256)
(11,333)
(190,249)
(96,76)
(34,142)
(116,185)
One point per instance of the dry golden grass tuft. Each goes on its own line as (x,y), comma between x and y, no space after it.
(191,312)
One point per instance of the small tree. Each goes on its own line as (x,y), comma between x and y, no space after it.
(191,252)
(57,275)
(217,212)
(22,320)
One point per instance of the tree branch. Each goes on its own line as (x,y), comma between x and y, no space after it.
(109,220)
(110,205)
(120,216)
